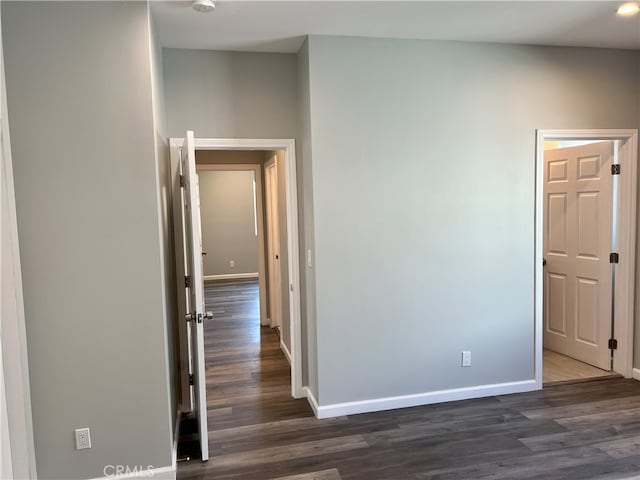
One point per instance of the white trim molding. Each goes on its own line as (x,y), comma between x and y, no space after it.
(636,373)
(232,276)
(136,472)
(625,270)
(285,350)
(288,145)
(417,399)
(312,402)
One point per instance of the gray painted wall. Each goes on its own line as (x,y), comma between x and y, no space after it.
(165,210)
(230,94)
(17,449)
(228,228)
(423,196)
(80,112)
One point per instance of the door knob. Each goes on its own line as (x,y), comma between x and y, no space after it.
(204,252)
(208,315)
(544,262)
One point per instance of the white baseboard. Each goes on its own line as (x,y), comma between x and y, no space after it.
(137,472)
(414,400)
(232,276)
(636,373)
(312,401)
(285,350)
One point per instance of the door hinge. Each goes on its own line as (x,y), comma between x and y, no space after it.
(191,379)
(183,182)
(187,281)
(613,344)
(614,258)
(615,169)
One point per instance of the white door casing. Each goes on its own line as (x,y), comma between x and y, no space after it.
(273,242)
(195,298)
(288,146)
(578,216)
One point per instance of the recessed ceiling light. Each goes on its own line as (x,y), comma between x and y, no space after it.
(203,6)
(628,9)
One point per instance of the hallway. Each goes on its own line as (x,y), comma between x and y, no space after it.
(248,380)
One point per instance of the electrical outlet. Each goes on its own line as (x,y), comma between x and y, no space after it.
(232,263)
(466,359)
(83,438)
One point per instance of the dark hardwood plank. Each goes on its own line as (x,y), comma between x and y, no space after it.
(331,474)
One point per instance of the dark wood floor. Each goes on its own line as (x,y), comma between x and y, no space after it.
(257,431)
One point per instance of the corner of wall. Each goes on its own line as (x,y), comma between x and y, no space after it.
(165,218)
(305,183)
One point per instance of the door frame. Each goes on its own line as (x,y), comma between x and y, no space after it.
(625,270)
(257,171)
(289,147)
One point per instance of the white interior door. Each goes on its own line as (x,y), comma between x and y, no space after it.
(578,216)
(273,243)
(195,287)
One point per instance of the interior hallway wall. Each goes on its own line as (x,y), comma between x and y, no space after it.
(230,94)
(228,221)
(165,212)
(16,436)
(79,92)
(418,192)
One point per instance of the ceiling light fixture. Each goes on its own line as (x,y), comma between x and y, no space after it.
(628,9)
(203,6)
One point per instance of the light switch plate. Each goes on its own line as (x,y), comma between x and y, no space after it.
(466,359)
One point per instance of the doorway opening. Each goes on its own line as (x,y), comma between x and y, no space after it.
(239,241)
(243,211)
(585,254)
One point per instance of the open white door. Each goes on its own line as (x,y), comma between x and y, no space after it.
(195,286)
(578,211)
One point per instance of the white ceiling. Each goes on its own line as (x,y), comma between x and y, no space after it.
(265,26)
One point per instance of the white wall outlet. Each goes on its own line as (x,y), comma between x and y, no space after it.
(83,438)
(232,263)
(466,359)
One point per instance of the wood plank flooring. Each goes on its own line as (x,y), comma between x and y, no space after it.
(560,368)
(257,431)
